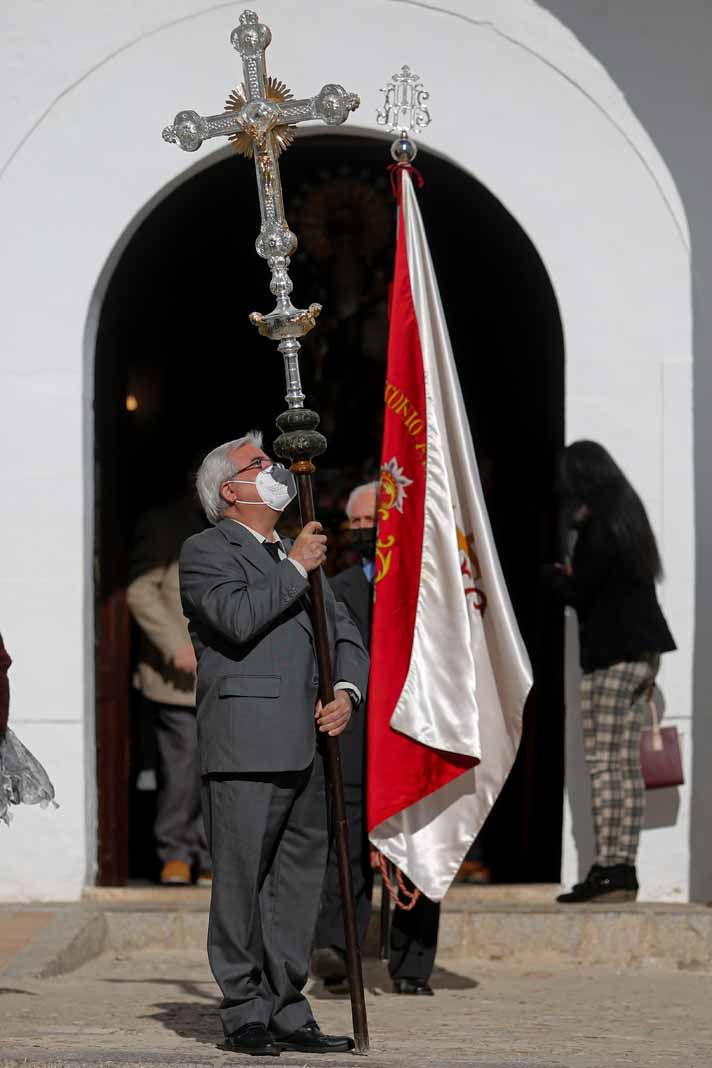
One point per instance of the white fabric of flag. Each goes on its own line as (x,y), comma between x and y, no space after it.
(469,673)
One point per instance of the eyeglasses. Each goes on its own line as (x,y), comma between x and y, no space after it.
(258,464)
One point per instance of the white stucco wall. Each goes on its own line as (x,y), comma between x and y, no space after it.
(516,101)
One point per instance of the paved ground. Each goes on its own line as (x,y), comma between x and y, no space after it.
(153,1007)
(18,929)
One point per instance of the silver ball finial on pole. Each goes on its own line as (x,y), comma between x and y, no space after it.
(403,149)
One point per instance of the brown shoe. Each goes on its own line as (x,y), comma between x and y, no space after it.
(175,873)
(474,872)
(205,878)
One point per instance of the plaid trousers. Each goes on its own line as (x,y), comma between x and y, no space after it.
(613,710)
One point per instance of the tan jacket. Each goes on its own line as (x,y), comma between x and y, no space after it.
(154,601)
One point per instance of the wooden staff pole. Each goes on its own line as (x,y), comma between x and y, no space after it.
(303,471)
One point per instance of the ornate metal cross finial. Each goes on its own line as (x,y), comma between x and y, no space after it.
(404,105)
(258,118)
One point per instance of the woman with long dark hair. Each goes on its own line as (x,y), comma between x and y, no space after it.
(610,581)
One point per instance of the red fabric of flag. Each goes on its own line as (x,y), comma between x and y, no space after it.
(401,770)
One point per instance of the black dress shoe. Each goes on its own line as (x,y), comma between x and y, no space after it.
(413,986)
(309,1039)
(251,1038)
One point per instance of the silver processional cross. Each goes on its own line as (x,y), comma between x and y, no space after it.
(259,119)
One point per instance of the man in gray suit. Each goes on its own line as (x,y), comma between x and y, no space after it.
(264,805)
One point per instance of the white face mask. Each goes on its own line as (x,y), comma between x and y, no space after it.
(275,487)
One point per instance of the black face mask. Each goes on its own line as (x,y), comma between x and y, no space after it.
(363,541)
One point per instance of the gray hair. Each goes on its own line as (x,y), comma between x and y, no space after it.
(371,487)
(216,468)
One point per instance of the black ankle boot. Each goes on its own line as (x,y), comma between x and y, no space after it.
(624,877)
(617,883)
(586,890)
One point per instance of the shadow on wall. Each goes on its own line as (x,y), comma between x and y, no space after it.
(661,806)
(701,726)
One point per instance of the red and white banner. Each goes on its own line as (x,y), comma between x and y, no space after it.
(449,671)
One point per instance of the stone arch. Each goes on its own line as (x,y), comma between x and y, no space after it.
(339,202)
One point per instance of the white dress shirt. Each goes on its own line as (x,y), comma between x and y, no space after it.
(275,541)
(352,690)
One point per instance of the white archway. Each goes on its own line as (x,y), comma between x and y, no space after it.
(516,101)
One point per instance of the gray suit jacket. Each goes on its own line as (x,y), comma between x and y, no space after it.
(257,673)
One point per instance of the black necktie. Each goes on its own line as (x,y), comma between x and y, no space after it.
(273,548)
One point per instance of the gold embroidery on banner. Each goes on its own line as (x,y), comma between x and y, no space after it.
(393,486)
(384,554)
(471,571)
(393,495)
(394,481)
(401,406)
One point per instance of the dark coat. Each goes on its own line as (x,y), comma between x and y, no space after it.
(353,589)
(618,613)
(253,639)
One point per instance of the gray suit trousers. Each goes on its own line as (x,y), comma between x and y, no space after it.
(267,835)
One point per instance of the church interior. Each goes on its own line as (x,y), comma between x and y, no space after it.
(178,301)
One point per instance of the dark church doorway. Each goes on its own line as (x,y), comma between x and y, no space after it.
(179,369)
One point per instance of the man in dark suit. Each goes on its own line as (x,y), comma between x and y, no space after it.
(414,934)
(264,805)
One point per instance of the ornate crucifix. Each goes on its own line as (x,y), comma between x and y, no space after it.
(259,118)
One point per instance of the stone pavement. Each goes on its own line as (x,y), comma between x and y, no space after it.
(159,1006)
(519,924)
(18,929)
